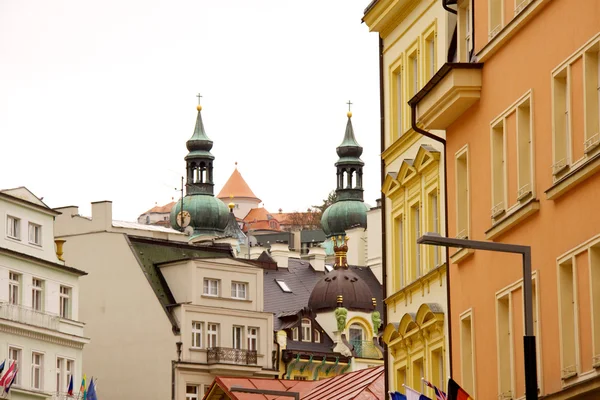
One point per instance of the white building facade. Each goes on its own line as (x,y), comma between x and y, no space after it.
(39,295)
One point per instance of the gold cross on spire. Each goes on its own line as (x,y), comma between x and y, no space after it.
(199,107)
(349,112)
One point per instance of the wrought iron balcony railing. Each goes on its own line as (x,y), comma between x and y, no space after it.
(365,349)
(225,355)
(29,316)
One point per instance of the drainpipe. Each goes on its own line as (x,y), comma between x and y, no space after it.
(383,235)
(447,8)
(413,122)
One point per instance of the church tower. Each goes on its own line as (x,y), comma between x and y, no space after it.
(199,209)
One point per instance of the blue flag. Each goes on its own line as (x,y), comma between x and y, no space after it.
(2,366)
(70,388)
(91,392)
(397,396)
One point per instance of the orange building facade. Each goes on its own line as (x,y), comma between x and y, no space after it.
(520,110)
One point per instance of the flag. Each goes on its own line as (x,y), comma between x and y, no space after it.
(397,396)
(455,392)
(5,380)
(70,389)
(8,385)
(2,366)
(91,392)
(412,394)
(439,394)
(82,387)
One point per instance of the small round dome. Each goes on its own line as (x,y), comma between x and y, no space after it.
(208,215)
(356,294)
(343,215)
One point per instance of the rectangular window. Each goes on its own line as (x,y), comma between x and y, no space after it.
(568,307)
(14,356)
(462,194)
(591,60)
(14,287)
(317,336)
(498,169)
(284,287)
(191,392)
(238,332)
(437,370)
(399,103)
(253,339)
(197,335)
(504,332)
(212,335)
(465,30)
(13,227)
(401,379)
(494,17)
(37,294)
(400,252)
(37,370)
(60,364)
(306,330)
(466,354)
(433,226)
(295,333)
(238,290)
(211,287)
(418,375)
(561,126)
(35,234)
(65,302)
(524,162)
(595,294)
(416,233)
(430,55)
(413,73)
(64,371)
(69,371)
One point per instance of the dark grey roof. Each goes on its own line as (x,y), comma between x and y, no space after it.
(233,229)
(316,235)
(301,278)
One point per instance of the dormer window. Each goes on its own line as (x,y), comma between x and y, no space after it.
(317,336)
(295,333)
(13,227)
(35,234)
(306,330)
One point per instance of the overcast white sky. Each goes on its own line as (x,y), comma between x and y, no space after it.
(97,98)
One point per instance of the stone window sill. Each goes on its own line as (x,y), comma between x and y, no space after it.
(510,220)
(574,177)
(461,255)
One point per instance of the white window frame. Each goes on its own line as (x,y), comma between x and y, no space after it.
(283,286)
(211,287)
(237,337)
(14,288)
(65,301)
(37,294)
(193,393)
(306,330)
(253,338)
(37,370)
(197,334)
(18,352)
(64,371)
(295,333)
(317,336)
(239,290)
(13,227)
(59,373)
(35,234)
(212,335)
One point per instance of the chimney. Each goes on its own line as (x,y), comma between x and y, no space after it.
(316,257)
(280,252)
(356,248)
(256,251)
(102,214)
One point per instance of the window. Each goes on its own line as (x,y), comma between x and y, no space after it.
(418,375)
(504,333)
(238,290)
(37,370)
(191,392)
(13,227)
(494,17)
(401,379)
(14,355)
(568,306)
(465,30)
(238,332)
(430,54)
(300,378)
(466,353)
(65,302)
(35,234)
(306,328)
(592,97)
(317,336)
(14,284)
(197,335)
(283,286)
(498,169)
(416,248)
(462,194)
(253,339)
(211,287)
(37,291)
(357,334)
(437,369)
(595,287)
(433,222)
(295,333)
(561,124)
(413,73)
(524,149)
(399,106)
(400,251)
(64,371)
(212,335)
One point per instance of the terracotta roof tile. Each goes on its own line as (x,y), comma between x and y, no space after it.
(236,186)
(161,209)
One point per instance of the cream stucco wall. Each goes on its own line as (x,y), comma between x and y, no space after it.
(374,247)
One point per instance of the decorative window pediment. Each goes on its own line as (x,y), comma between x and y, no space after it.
(407,172)
(390,184)
(426,155)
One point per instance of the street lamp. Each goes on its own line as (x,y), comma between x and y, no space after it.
(529,352)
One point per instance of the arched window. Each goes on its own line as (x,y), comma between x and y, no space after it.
(295,333)
(317,336)
(356,333)
(306,329)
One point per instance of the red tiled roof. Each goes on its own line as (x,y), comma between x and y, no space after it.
(161,209)
(257,214)
(236,186)
(365,384)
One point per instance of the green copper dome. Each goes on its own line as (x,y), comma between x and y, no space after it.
(208,215)
(343,215)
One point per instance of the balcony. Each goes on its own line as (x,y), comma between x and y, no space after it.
(451,91)
(225,355)
(29,316)
(365,349)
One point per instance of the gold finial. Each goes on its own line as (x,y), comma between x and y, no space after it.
(231,204)
(349,114)
(199,107)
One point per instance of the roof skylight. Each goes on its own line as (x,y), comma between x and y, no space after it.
(328,267)
(283,286)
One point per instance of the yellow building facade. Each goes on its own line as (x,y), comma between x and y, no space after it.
(414,42)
